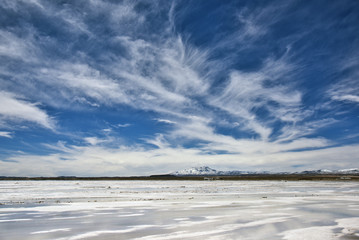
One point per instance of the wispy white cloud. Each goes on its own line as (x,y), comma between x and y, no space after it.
(165,76)
(347,88)
(13,108)
(13,46)
(252,24)
(200,129)
(15,5)
(348,98)
(158,141)
(155,76)
(165,121)
(94,140)
(257,22)
(83,100)
(6,134)
(59,146)
(246,92)
(292,131)
(124,125)
(82,80)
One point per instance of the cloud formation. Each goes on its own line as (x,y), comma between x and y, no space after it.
(130,161)
(14,109)
(6,134)
(231,84)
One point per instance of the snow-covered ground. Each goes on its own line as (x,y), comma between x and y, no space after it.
(179,210)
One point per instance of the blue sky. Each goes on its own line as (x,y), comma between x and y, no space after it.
(118,88)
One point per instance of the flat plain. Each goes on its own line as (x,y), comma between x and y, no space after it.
(72,210)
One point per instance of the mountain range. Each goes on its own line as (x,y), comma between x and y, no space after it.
(207,171)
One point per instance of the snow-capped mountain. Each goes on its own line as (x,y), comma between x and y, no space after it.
(206,171)
(326,171)
(320,171)
(349,171)
(196,171)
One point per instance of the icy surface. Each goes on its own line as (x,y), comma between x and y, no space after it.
(178,210)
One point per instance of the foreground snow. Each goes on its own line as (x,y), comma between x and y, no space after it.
(178,210)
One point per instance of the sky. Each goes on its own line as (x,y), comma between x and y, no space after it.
(124,88)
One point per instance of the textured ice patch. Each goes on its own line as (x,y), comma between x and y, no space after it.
(131,215)
(98,233)
(67,218)
(78,206)
(350,226)
(265,221)
(15,220)
(312,233)
(52,231)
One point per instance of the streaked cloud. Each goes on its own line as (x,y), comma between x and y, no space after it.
(94,140)
(165,121)
(245,93)
(15,109)
(6,134)
(347,89)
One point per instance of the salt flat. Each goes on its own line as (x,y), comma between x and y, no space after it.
(179,210)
